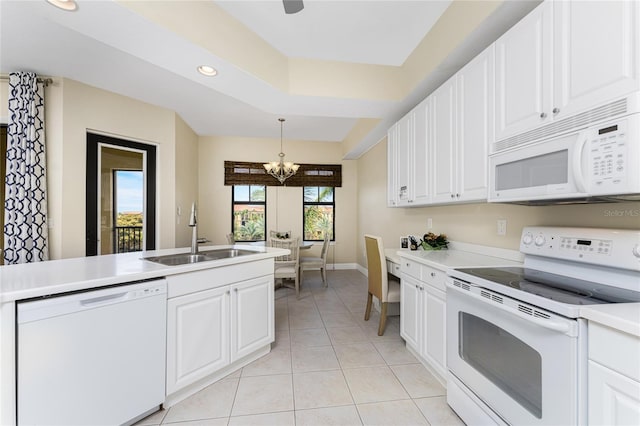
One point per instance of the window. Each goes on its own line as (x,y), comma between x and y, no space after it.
(249,212)
(319,212)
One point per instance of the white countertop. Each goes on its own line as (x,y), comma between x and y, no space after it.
(620,316)
(59,276)
(452,258)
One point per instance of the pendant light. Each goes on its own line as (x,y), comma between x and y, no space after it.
(281,170)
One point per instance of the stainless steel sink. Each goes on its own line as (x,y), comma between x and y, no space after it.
(204,256)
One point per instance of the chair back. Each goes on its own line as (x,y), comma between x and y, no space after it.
(280,234)
(231,239)
(376,267)
(292,244)
(325,249)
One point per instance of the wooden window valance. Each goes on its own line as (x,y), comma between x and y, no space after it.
(245,173)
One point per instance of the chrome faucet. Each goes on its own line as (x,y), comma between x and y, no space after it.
(193,223)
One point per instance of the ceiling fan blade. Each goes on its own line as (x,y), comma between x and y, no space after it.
(292,6)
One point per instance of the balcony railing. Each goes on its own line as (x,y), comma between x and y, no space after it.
(127,238)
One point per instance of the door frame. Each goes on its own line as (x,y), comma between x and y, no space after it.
(94,142)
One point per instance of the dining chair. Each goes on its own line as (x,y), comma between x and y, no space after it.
(287,266)
(231,239)
(386,289)
(311,263)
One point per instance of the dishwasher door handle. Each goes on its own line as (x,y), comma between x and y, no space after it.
(104,300)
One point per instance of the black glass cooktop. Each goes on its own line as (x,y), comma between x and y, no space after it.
(556,287)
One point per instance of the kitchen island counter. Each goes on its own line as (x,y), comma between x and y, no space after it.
(25,281)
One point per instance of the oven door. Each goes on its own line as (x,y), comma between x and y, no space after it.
(520,361)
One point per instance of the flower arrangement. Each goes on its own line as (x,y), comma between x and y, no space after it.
(431,241)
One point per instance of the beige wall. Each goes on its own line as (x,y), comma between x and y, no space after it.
(471,223)
(186,185)
(284,205)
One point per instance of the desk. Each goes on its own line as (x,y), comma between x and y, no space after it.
(393,261)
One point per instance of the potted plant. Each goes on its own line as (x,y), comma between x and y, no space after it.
(431,241)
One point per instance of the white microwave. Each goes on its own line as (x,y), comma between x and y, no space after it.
(597,163)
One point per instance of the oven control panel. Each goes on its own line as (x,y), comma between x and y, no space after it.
(599,246)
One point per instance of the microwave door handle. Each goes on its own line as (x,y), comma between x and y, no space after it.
(578,171)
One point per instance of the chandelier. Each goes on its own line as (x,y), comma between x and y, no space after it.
(281,170)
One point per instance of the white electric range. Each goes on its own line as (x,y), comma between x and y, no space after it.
(516,346)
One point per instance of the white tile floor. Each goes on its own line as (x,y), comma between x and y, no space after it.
(327,367)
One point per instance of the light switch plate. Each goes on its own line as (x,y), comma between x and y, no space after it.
(502,226)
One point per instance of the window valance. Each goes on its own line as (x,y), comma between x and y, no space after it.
(246,173)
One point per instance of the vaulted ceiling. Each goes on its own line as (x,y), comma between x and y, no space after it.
(338,71)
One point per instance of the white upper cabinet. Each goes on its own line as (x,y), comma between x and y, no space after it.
(437,153)
(523,74)
(475,92)
(404,163)
(421,155)
(462,130)
(562,59)
(407,156)
(443,105)
(392,166)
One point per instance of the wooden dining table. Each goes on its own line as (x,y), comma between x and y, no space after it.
(303,244)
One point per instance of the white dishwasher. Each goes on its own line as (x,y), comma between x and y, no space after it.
(92,358)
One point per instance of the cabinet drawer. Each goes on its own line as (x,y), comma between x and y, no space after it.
(434,277)
(192,282)
(615,349)
(393,268)
(413,269)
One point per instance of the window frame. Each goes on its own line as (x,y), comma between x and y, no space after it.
(258,203)
(319,203)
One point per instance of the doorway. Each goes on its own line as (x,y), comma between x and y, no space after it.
(121,193)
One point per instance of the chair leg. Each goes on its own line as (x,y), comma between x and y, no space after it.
(297,288)
(383,318)
(367,312)
(323,271)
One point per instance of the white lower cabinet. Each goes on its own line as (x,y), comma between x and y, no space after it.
(423,315)
(252,320)
(197,336)
(613,376)
(210,330)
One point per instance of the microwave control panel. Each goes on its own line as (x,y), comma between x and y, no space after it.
(608,155)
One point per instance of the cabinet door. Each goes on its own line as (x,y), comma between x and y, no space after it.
(252,316)
(410,311)
(435,330)
(614,399)
(421,158)
(443,143)
(596,53)
(475,126)
(523,74)
(197,336)
(404,171)
(392,166)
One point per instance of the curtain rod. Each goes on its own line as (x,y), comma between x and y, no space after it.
(46,80)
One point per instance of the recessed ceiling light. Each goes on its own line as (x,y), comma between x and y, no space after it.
(69,5)
(207,70)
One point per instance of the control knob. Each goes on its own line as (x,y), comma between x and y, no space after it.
(527,239)
(636,251)
(540,240)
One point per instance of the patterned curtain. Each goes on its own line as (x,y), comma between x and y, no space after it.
(25,224)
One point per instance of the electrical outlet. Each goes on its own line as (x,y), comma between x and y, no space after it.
(429,223)
(502,226)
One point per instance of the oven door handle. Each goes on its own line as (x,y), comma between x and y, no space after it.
(549,324)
